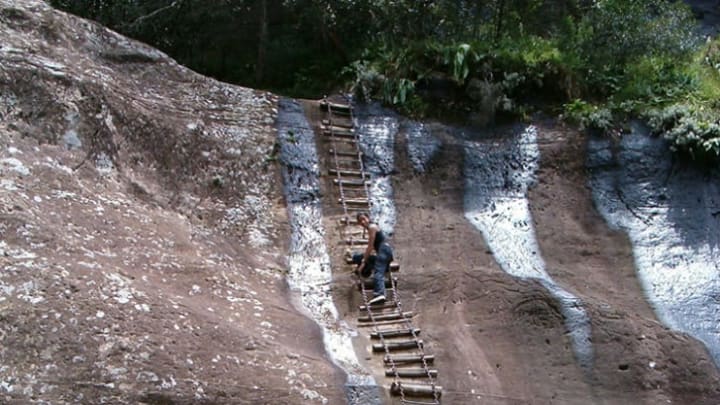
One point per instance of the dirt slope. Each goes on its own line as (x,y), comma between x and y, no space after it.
(142,229)
(142,242)
(637,358)
(501,340)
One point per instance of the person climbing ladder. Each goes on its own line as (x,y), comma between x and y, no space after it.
(379,263)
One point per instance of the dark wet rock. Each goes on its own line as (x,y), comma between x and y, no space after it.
(421,144)
(708,14)
(498,173)
(297,154)
(377,128)
(309,264)
(667,210)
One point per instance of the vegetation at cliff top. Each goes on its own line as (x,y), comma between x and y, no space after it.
(595,62)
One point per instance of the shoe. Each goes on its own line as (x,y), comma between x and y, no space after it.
(377,300)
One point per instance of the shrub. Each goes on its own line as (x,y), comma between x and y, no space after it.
(615,32)
(690,131)
(588,116)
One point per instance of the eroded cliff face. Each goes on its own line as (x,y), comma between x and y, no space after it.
(142,229)
(143,244)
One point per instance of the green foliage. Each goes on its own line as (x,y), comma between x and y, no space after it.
(460,59)
(599,62)
(657,81)
(588,116)
(690,131)
(603,64)
(615,32)
(529,65)
(364,79)
(294,47)
(705,70)
(711,55)
(387,78)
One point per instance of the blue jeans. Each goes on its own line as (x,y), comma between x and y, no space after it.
(380,264)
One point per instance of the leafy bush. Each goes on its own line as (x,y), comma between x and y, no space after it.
(690,131)
(615,32)
(588,116)
(601,64)
(711,55)
(657,81)
(365,79)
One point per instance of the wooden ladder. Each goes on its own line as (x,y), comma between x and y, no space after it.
(405,358)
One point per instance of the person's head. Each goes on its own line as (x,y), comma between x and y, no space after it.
(363,218)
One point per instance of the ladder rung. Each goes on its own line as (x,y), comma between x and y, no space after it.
(350,142)
(409,402)
(419,390)
(411,372)
(338,130)
(347,221)
(354,201)
(381,323)
(343,109)
(369,290)
(404,345)
(334,105)
(337,123)
(409,358)
(392,333)
(347,166)
(346,172)
(354,154)
(387,317)
(340,112)
(353,242)
(353,232)
(355,193)
(346,161)
(352,182)
(339,134)
(386,305)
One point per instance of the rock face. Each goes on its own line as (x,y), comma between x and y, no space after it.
(142,232)
(143,242)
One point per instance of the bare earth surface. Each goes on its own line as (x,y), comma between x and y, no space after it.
(142,229)
(143,237)
(501,340)
(637,358)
